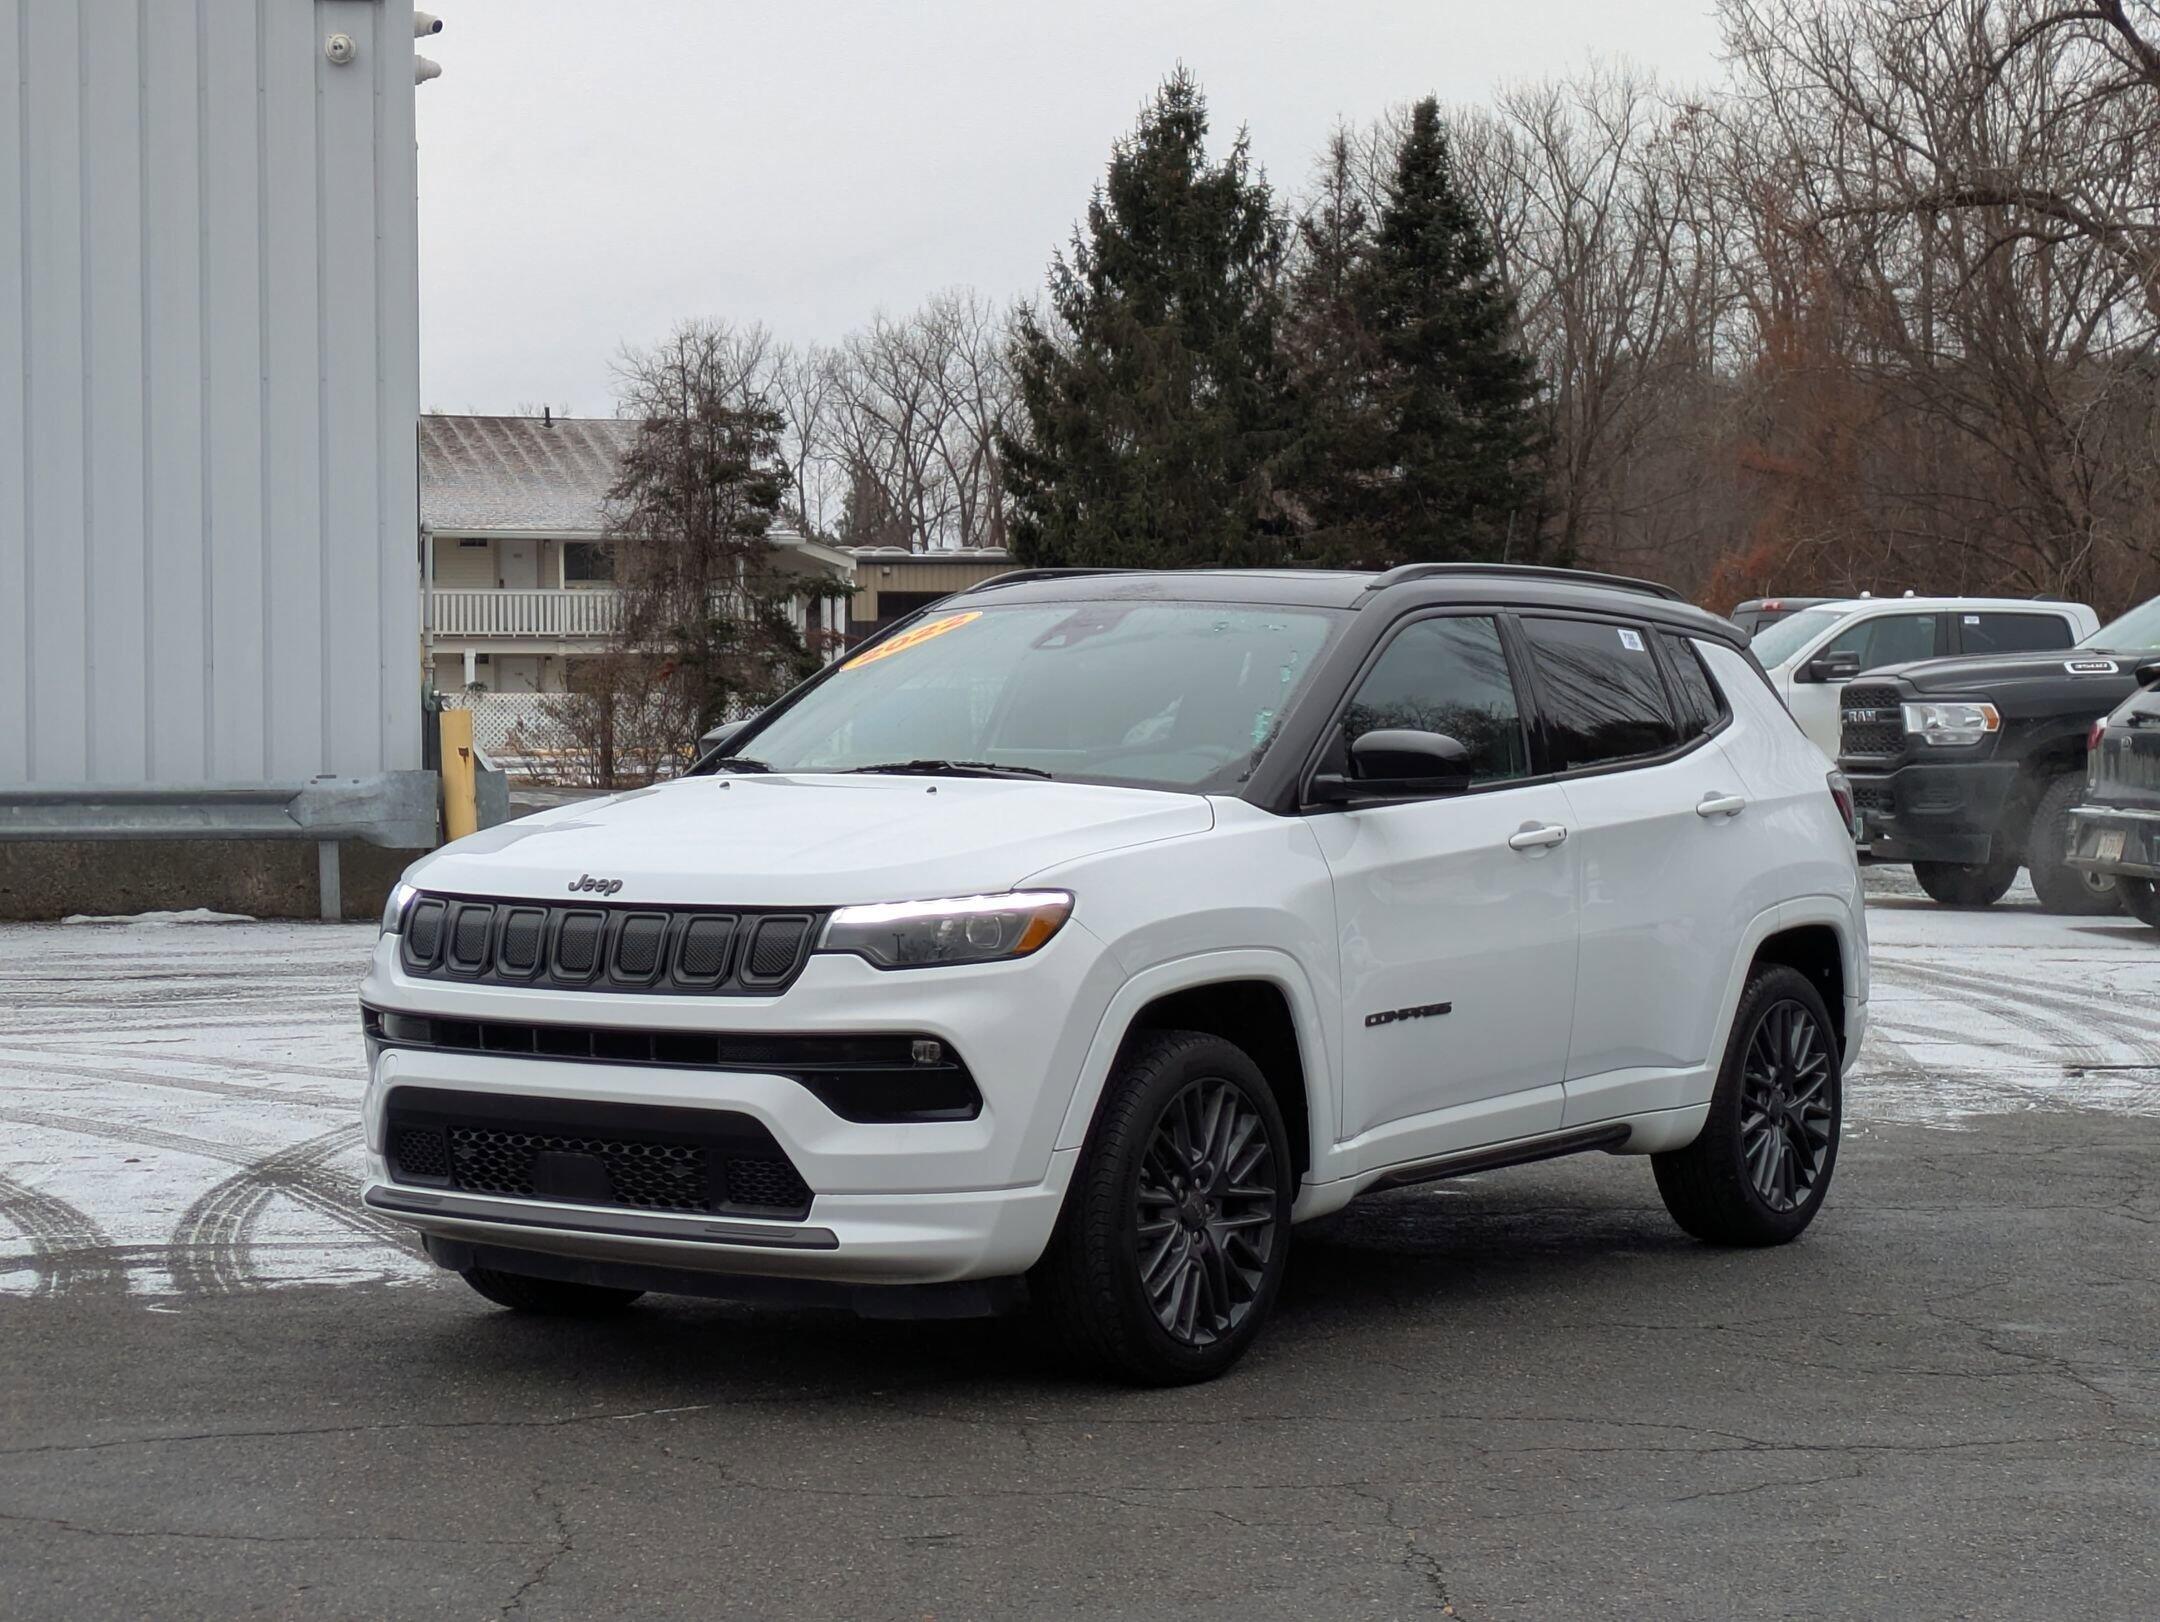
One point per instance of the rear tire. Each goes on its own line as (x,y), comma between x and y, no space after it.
(1758,1171)
(2061,887)
(1966,884)
(550,1296)
(1170,1249)
(2141,900)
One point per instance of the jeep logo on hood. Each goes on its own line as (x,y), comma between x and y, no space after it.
(588,884)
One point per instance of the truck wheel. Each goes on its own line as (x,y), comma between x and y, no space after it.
(2061,887)
(1966,884)
(1757,1173)
(1171,1245)
(554,1297)
(2141,900)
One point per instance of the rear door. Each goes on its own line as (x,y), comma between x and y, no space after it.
(1456,913)
(1631,723)
(1997,630)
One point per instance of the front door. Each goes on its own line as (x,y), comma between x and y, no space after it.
(517,565)
(1881,639)
(1456,914)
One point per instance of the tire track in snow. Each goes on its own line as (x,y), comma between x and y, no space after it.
(68,1251)
(212,1241)
(306,1178)
(2058,1014)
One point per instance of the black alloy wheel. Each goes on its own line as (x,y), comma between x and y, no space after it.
(1757,1172)
(1171,1245)
(1785,1104)
(1204,1212)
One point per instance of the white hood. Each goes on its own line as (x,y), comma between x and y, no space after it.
(811,841)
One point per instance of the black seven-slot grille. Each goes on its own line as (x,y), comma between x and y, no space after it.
(628,1156)
(1872,722)
(576,946)
(868,1077)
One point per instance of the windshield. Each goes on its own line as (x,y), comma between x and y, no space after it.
(1156,695)
(1774,644)
(2135,632)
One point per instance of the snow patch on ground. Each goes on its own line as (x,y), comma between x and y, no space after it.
(179,1108)
(190,915)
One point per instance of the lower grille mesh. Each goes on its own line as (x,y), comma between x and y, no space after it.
(637,1158)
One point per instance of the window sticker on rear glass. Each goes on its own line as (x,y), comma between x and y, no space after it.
(915,638)
(1972,619)
(1631,640)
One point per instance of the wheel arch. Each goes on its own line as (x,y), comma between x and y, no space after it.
(1257,1000)
(1813,934)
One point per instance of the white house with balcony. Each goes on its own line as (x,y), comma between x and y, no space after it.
(512,514)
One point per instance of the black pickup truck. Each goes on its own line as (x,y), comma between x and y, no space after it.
(1970,768)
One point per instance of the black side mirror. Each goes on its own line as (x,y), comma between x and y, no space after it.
(719,735)
(1398,763)
(1832,667)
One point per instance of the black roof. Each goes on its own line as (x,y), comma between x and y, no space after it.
(1413,585)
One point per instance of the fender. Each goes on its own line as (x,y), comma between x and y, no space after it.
(1834,911)
(1278,969)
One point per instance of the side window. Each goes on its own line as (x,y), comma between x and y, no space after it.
(1990,632)
(1447,675)
(1695,695)
(1599,692)
(1892,639)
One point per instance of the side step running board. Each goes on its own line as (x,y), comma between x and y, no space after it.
(1505,1154)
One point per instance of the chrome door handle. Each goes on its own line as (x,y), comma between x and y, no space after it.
(1537,838)
(1721,805)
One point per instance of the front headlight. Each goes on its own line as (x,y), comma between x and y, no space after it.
(402,896)
(1951,724)
(962,929)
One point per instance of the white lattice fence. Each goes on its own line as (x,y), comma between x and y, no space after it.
(573,738)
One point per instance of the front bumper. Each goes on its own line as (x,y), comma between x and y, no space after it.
(926,1202)
(2120,840)
(1934,811)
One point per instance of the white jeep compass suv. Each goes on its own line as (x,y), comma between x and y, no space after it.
(1084,932)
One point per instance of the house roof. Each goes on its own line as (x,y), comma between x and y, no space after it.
(513,473)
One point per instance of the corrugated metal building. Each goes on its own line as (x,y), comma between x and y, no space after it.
(209,588)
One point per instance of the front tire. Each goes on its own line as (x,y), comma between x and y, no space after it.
(1757,1173)
(2061,887)
(1966,884)
(1171,1246)
(2141,900)
(554,1298)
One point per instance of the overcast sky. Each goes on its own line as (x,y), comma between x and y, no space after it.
(593,172)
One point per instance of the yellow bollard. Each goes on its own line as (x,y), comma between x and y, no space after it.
(461,812)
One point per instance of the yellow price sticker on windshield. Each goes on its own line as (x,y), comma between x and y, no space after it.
(909,639)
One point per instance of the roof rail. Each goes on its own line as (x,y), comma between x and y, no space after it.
(1013,577)
(1403,574)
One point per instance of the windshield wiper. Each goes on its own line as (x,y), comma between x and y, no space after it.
(738,763)
(951,768)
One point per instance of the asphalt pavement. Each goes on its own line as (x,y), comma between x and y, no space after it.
(1521,1395)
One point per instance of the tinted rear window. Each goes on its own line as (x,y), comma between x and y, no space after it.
(1700,704)
(1988,632)
(1600,696)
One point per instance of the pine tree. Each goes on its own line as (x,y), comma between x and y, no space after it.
(1154,402)
(1422,428)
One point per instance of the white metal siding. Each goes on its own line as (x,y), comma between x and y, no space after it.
(208,392)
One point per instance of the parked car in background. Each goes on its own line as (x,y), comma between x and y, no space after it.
(2116,832)
(1077,935)
(1970,768)
(1752,615)
(1811,655)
